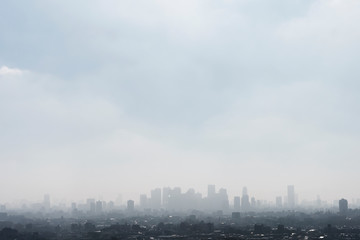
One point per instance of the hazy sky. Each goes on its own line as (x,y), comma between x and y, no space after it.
(105,97)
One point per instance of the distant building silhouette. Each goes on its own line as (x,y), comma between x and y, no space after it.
(165,196)
(98,207)
(155,200)
(143,201)
(245,201)
(291,196)
(90,203)
(224,200)
(130,205)
(343,206)
(253,202)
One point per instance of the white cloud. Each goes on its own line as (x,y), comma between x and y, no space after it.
(6,71)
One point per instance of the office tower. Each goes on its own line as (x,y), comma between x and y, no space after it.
(253,202)
(99,207)
(156,198)
(278,202)
(211,191)
(237,203)
(90,203)
(244,191)
(46,202)
(245,201)
(343,206)
(143,201)
(291,196)
(130,205)
(165,196)
(223,199)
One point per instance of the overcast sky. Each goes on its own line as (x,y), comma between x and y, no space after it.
(101,97)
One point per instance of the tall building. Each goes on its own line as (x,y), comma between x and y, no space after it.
(156,198)
(244,191)
(130,205)
(343,206)
(291,196)
(90,204)
(166,196)
(99,207)
(223,199)
(245,201)
(253,202)
(143,201)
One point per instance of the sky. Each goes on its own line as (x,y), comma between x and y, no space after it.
(101,97)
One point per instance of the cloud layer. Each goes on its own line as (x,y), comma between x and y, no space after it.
(140,94)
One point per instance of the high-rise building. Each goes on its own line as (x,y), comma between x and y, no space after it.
(245,201)
(244,191)
(99,207)
(156,198)
(253,202)
(291,196)
(110,206)
(130,205)
(166,196)
(343,206)
(143,201)
(223,199)
(90,203)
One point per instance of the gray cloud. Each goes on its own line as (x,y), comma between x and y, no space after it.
(239,89)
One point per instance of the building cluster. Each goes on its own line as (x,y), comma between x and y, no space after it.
(176,200)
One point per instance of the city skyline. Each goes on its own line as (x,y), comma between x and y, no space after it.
(163,198)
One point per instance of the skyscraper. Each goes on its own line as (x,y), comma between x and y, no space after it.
(98,207)
(291,196)
(245,201)
(156,198)
(130,205)
(343,206)
(165,196)
(143,201)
